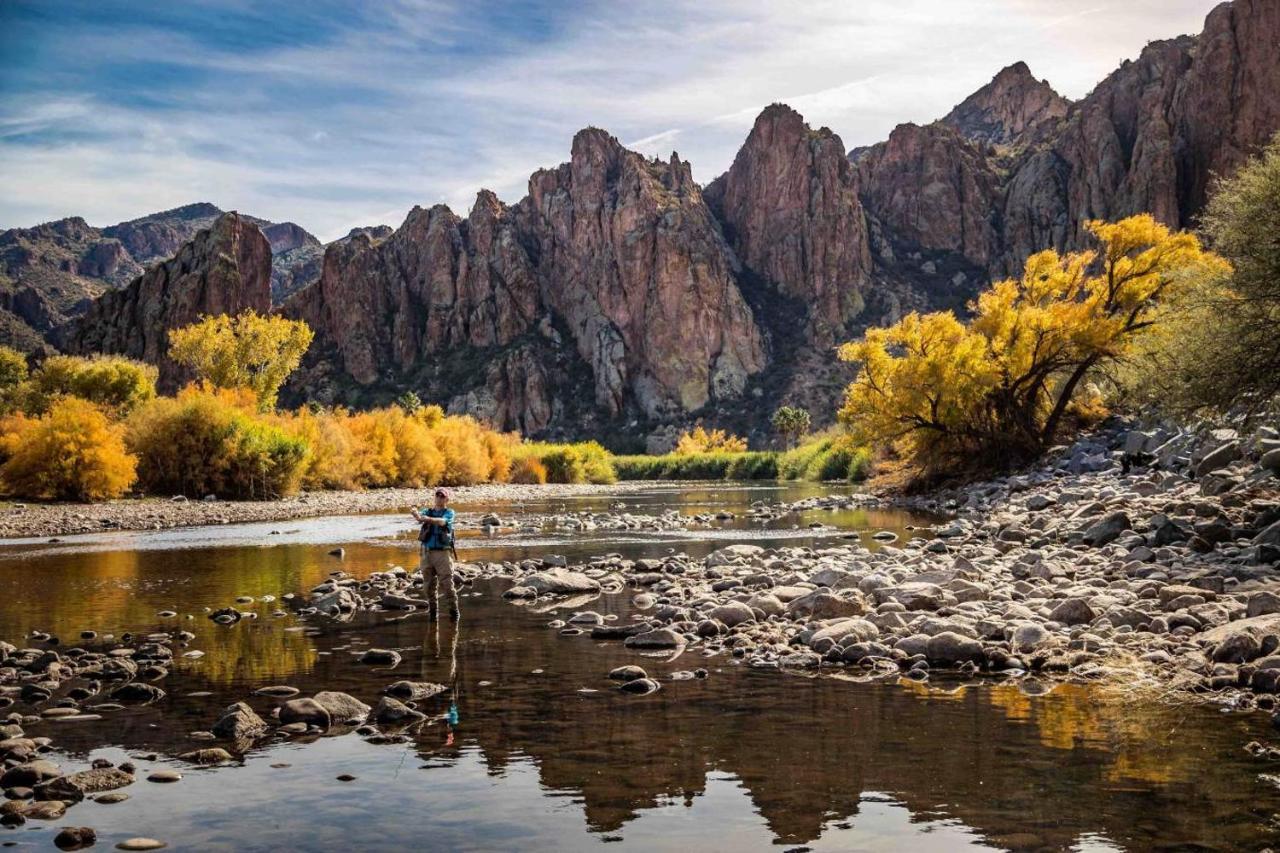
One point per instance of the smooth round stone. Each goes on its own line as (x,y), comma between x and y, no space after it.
(164,776)
(281,690)
(111,797)
(140,844)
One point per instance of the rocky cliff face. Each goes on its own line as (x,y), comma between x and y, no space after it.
(632,259)
(932,189)
(224,269)
(619,252)
(790,207)
(437,282)
(1013,109)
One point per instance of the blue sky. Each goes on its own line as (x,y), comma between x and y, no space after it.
(334,115)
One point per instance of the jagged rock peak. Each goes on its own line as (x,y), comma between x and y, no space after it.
(287,236)
(1014,108)
(791,208)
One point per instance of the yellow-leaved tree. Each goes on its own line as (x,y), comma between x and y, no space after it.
(72,452)
(702,440)
(995,391)
(246,351)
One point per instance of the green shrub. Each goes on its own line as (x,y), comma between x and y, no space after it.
(761,465)
(114,382)
(583,462)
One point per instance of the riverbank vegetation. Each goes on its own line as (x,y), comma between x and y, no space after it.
(999,389)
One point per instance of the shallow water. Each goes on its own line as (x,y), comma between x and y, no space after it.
(548,756)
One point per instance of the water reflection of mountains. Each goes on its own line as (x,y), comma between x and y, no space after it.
(1024,772)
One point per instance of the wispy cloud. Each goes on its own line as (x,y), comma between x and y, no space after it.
(337,114)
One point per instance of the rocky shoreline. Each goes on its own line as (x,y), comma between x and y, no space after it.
(1146,560)
(38,520)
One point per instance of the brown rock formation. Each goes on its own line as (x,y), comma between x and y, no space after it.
(1013,109)
(435,283)
(790,207)
(225,269)
(632,259)
(934,190)
(1151,134)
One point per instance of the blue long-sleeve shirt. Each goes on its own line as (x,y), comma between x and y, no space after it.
(436,536)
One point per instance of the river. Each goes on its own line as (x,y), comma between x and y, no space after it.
(549,755)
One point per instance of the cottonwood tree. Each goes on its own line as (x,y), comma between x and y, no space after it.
(246,351)
(995,391)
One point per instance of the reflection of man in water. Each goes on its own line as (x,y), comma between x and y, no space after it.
(436,538)
(434,650)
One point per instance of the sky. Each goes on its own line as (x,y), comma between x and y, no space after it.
(336,115)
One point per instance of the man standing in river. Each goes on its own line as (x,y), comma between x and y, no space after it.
(436,538)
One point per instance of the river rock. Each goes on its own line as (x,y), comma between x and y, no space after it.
(629,672)
(137,693)
(239,722)
(732,554)
(825,604)
(75,838)
(732,614)
(561,581)
(1108,529)
(342,707)
(1073,611)
(843,631)
(393,712)
(640,686)
(74,787)
(950,648)
(30,774)
(208,756)
(380,657)
(415,691)
(658,638)
(141,844)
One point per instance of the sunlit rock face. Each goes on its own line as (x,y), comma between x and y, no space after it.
(790,206)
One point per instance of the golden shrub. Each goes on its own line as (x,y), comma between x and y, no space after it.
(73,452)
(207,441)
(529,470)
(702,440)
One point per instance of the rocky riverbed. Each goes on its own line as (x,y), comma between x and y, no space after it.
(1144,561)
(1148,560)
(22,520)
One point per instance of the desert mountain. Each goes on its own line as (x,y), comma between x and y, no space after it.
(52,272)
(618,297)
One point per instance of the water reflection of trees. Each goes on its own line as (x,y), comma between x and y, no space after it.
(1023,771)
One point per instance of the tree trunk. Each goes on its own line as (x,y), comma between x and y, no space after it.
(1064,399)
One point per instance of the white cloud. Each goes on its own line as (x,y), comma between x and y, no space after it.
(438,103)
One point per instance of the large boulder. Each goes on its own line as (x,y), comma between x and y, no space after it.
(74,787)
(342,707)
(239,722)
(732,614)
(825,604)
(1108,529)
(658,638)
(1219,457)
(561,581)
(1073,611)
(843,631)
(950,648)
(1241,641)
(304,710)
